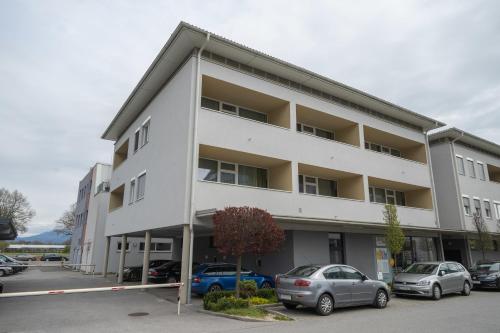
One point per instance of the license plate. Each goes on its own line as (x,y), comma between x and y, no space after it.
(476,282)
(403,288)
(286,297)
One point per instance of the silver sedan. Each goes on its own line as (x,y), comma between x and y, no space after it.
(325,287)
(433,279)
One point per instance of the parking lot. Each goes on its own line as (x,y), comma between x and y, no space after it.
(110,311)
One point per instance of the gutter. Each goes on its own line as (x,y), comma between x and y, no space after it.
(194,160)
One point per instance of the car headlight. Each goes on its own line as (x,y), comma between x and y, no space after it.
(423,283)
(491,276)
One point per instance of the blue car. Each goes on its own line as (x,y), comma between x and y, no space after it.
(217,277)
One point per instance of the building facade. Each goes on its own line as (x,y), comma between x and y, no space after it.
(214,124)
(467,180)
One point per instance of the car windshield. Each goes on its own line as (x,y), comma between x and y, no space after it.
(303,270)
(421,269)
(489,267)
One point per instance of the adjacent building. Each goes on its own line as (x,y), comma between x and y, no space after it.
(213,123)
(467,180)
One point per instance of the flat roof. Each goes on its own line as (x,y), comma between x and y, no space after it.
(187,37)
(459,135)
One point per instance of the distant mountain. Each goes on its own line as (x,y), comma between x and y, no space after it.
(48,237)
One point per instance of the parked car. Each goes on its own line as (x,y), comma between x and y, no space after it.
(486,274)
(5,270)
(25,257)
(433,279)
(53,257)
(17,266)
(1,287)
(167,273)
(134,273)
(222,276)
(326,287)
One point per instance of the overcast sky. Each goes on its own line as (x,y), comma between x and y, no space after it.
(66,67)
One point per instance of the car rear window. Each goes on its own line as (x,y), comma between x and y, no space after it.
(303,271)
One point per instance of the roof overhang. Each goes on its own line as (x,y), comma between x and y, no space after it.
(187,37)
(7,229)
(461,136)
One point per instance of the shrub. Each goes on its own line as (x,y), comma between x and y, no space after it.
(265,293)
(214,297)
(248,288)
(226,303)
(258,301)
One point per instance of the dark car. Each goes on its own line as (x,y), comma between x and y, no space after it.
(53,257)
(134,273)
(25,257)
(167,273)
(486,274)
(17,266)
(222,276)
(1,287)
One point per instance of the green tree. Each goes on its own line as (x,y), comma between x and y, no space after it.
(394,236)
(484,241)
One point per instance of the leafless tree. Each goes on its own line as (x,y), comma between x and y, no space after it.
(14,205)
(484,241)
(66,223)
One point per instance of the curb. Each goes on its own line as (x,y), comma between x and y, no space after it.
(247,319)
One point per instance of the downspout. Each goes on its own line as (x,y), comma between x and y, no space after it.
(455,173)
(194,159)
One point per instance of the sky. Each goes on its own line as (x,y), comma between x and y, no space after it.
(66,68)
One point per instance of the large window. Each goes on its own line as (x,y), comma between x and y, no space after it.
(212,104)
(325,134)
(137,139)
(487,209)
(141,186)
(460,165)
(482,173)
(231,173)
(382,149)
(477,207)
(145,132)
(119,246)
(472,171)
(319,186)
(387,196)
(157,247)
(466,202)
(417,249)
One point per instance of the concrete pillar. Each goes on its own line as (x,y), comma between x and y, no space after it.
(122,259)
(106,257)
(177,248)
(185,263)
(293,116)
(145,260)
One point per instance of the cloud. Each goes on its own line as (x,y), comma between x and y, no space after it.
(66,67)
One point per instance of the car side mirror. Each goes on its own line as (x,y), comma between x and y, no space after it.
(442,273)
(364,277)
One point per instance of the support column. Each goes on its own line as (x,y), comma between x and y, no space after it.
(145,260)
(441,247)
(186,240)
(106,257)
(122,259)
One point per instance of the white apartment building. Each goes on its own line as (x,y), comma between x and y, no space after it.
(467,180)
(213,123)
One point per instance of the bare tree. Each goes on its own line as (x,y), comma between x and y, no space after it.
(14,205)
(484,241)
(66,223)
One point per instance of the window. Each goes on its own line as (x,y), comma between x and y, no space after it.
(482,174)
(351,274)
(380,195)
(460,165)
(382,149)
(466,202)
(145,132)
(141,186)
(119,246)
(472,171)
(209,103)
(137,138)
(156,247)
(387,196)
(477,207)
(212,104)
(453,268)
(487,209)
(314,185)
(254,115)
(497,209)
(132,191)
(207,170)
(334,273)
(251,176)
(316,131)
(228,173)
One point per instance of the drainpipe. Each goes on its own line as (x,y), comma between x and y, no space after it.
(433,188)
(455,172)
(194,159)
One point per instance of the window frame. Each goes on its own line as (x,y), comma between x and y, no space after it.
(486,215)
(462,164)
(236,172)
(137,185)
(477,200)
(145,131)
(471,167)
(464,206)
(482,172)
(137,139)
(237,113)
(316,185)
(371,192)
(132,189)
(315,128)
(390,150)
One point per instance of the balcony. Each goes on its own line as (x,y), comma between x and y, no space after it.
(120,155)
(242,102)
(321,124)
(493,173)
(385,191)
(390,144)
(329,182)
(239,168)
(116,198)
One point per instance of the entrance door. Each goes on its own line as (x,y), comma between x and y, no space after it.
(336,248)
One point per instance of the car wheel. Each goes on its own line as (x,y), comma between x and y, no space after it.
(466,289)
(171,279)
(325,305)
(266,285)
(380,299)
(214,288)
(289,306)
(436,292)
